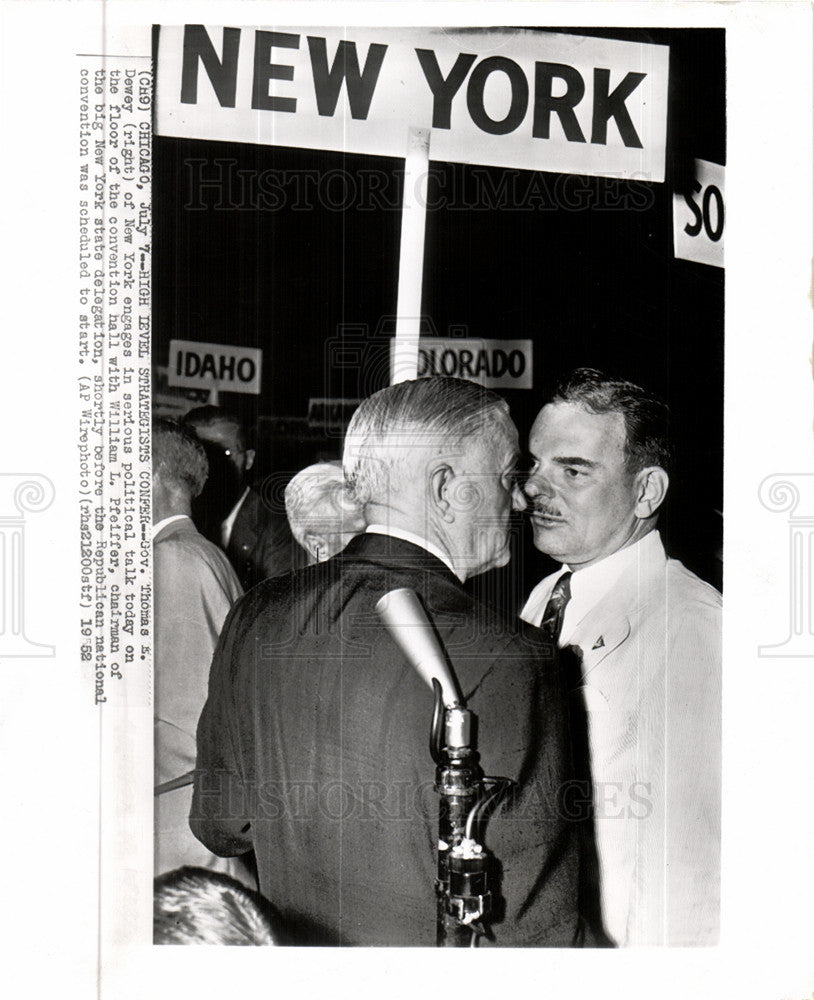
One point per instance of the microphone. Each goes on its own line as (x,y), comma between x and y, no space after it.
(402,613)
(463,898)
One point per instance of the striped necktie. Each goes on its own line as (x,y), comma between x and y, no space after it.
(555,609)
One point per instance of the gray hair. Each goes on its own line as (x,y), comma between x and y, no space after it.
(179,459)
(317,497)
(391,426)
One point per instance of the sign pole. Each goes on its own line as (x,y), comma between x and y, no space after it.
(214,397)
(411,256)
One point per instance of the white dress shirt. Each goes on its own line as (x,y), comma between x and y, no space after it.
(589,585)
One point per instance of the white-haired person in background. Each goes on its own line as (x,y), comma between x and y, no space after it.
(322,515)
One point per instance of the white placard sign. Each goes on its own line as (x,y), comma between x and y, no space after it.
(496,364)
(206,366)
(508,97)
(699,216)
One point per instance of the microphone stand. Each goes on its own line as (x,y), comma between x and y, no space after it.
(463,897)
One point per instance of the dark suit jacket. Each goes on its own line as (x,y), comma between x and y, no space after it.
(261,544)
(313,749)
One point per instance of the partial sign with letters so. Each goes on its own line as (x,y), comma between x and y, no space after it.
(504,97)
(224,367)
(699,216)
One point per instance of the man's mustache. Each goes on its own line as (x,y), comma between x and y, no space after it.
(544,510)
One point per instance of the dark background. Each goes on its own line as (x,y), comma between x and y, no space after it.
(296,252)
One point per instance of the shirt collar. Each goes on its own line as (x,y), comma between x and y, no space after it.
(411,536)
(159,525)
(229,523)
(593,583)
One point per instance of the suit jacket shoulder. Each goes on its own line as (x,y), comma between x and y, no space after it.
(684,587)
(181,553)
(477,637)
(194,589)
(661,597)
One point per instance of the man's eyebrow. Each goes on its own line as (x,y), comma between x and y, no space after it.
(584,463)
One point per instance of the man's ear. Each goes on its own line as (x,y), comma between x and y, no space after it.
(441,479)
(314,545)
(250,453)
(652,484)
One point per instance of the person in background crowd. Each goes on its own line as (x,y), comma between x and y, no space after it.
(312,746)
(321,514)
(195,586)
(231,512)
(197,906)
(643,635)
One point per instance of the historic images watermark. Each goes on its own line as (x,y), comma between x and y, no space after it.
(377,801)
(793,494)
(222,185)
(20,493)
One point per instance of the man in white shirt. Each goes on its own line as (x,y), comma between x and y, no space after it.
(644,634)
(195,586)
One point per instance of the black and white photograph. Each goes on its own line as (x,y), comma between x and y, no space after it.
(406,523)
(461,388)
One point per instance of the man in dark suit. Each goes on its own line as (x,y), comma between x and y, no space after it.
(232,513)
(312,746)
